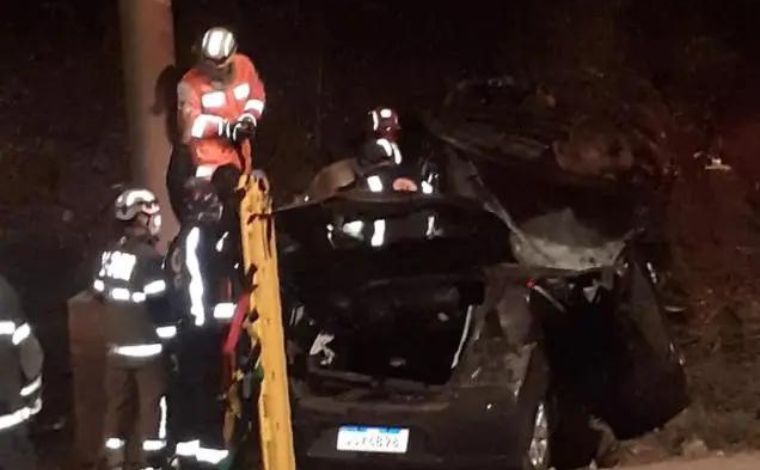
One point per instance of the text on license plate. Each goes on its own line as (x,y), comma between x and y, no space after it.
(371,439)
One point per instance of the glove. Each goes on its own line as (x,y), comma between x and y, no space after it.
(239,130)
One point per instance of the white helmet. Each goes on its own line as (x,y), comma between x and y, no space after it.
(136,201)
(218,45)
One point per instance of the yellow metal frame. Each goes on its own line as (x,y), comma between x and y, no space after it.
(260,258)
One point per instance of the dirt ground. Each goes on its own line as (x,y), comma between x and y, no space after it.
(738,462)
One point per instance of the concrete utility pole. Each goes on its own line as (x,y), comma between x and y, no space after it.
(147,35)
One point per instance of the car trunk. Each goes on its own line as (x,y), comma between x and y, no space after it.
(411,328)
(394,312)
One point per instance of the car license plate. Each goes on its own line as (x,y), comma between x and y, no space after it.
(371,439)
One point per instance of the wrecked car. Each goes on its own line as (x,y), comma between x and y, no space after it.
(492,324)
(582,195)
(408,345)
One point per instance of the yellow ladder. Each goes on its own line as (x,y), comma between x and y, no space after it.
(260,257)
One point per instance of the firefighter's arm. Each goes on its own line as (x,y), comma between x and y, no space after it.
(154,287)
(31,358)
(29,350)
(254,106)
(193,122)
(98,282)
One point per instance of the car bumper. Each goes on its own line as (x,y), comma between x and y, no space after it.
(469,428)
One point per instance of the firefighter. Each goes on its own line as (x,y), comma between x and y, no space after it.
(380,160)
(131,286)
(203,268)
(20,382)
(379,166)
(221,101)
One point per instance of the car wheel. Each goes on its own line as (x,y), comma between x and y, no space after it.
(538,453)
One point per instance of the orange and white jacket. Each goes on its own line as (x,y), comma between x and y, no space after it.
(205,107)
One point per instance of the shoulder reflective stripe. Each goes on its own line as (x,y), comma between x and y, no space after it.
(375,184)
(32,387)
(213,99)
(139,350)
(378,237)
(114,443)
(153,445)
(98,285)
(138,297)
(166,332)
(155,287)
(241,92)
(386,145)
(7,328)
(202,122)
(224,310)
(196,281)
(254,105)
(21,334)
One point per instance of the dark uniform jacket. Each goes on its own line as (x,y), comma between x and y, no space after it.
(130,281)
(375,170)
(203,272)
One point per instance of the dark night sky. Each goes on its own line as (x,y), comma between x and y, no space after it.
(61,111)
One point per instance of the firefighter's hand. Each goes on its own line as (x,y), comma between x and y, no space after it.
(246,125)
(240,130)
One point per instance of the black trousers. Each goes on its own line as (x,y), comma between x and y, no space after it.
(198,399)
(16,452)
(180,169)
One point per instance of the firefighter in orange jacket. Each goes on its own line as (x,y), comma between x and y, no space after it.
(220,101)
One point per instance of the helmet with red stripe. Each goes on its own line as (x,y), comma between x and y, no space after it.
(384,123)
